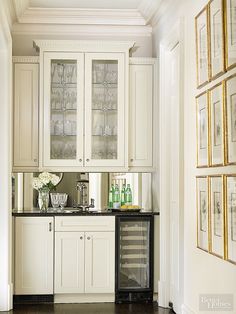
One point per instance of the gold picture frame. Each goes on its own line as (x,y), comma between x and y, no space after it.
(230,119)
(230,33)
(202,201)
(217,125)
(216,38)
(230,218)
(202,47)
(216,216)
(202,128)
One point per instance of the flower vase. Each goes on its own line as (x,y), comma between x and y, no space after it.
(43,200)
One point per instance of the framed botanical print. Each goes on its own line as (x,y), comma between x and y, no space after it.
(216,216)
(230,87)
(202,130)
(202,213)
(202,47)
(230,33)
(231,218)
(216,102)
(216,22)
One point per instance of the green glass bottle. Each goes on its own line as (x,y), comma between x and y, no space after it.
(123,195)
(129,198)
(116,202)
(111,196)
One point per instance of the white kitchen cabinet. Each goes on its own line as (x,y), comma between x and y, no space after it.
(33,255)
(69,262)
(63,116)
(25,142)
(104,109)
(84,258)
(142,97)
(99,262)
(84,94)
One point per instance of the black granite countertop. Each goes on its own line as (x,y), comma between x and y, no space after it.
(76,212)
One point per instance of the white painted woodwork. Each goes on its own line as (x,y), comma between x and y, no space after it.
(25,152)
(92,223)
(99,262)
(120,161)
(141,115)
(79,57)
(84,255)
(33,255)
(69,262)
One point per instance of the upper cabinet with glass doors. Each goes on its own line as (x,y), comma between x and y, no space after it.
(85,104)
(104,109)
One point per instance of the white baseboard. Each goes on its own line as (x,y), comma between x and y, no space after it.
(186,309)
(84,298)
(163,298)
(10,297)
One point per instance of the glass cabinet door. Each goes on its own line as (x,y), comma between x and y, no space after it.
(63,109)
(134,254)
(104,109)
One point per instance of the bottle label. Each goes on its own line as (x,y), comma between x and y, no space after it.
(116,205)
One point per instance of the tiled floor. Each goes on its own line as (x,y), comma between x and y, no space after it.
(101,308)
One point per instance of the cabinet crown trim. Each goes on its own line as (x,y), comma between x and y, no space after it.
(25,59)
(83,45)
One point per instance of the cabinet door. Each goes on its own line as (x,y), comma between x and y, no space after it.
(141,115)
(99,262)
(69,262)
(104,109)
(25,115)
(63,109)
(34,255)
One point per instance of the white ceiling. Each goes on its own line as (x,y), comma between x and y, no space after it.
(86,4)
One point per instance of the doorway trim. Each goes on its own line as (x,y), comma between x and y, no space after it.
(174,38)
(6,287)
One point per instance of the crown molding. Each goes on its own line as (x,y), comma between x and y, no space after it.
(20,7)
(160,12)
(83,45)
(81,16)
(148,8)
(81,30)
(25,59)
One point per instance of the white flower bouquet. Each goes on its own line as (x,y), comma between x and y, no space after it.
(45,181)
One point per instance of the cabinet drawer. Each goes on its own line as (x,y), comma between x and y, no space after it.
(95,223)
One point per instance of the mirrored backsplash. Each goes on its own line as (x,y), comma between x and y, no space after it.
(94,185)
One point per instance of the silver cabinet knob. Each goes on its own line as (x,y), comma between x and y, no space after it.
(131,160)
(88,238)
(81,238)
(80,160)
(87,160)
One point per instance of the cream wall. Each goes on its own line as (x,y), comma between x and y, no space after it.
(23,44)
(203,273)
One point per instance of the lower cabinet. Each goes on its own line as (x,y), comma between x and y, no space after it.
(33,255)
(84,261)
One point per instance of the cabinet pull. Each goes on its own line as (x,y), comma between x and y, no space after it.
(80,160)
(131,160)
(50,226)
(81,238)
(87,160)
(88,238)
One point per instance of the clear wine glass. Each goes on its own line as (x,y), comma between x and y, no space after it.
(62,199)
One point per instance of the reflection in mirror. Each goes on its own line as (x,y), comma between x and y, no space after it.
(82,187)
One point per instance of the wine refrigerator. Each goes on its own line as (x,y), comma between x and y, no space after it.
(134,258)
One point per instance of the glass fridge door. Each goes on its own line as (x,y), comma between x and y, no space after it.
(134,254)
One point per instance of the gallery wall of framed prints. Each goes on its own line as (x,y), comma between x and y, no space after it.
(215,27)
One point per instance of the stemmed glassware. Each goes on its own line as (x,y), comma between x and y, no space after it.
(62,199)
